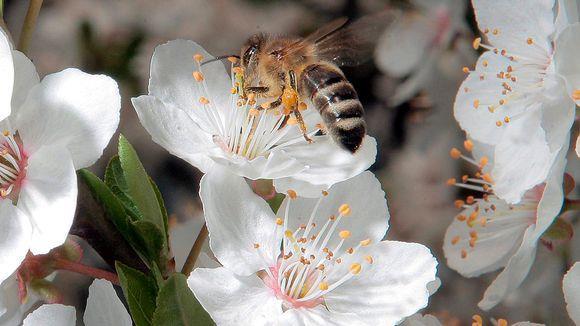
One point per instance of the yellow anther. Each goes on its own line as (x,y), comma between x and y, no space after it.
(487,177)
(350,250)
(470,200)
(476,43)
(344,210)
(451,181)
(324,193)
(203,100)
(266,105)
(483,161)
(302,106)
(463,253)
(238,70)
(344,234)
(233,90)
(288,234)
(455,240)
(323,286)
(501,102)
(483,221)
(232,59)
(468,145)
(491,108)
(291,121)
(198,57)
(465,70)
(495,31)
(455,153)
(502,322)
(369,259)
(256,245)
(279,221)
(292,194)
(459,203)
(498,123)
(475,104)
(576,94)
(530,41)
(485,63)
(6,133)
(365,242)
(461,217)
(197,76)
(506,119)
(253,112)
(355,268)
(477,320)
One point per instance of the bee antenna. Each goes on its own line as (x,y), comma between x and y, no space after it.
(221,57)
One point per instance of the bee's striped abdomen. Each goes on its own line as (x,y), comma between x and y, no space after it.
(336,101)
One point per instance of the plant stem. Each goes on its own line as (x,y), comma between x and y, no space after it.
(195,251)
(29,24)
(68,265)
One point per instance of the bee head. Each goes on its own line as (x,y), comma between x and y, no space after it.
(251,48)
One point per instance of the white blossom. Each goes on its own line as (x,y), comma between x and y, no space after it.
(571,288)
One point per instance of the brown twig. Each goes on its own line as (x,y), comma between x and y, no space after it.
(28,25)
(195,251)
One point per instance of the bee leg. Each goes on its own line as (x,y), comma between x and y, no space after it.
(295,109)
(257,89)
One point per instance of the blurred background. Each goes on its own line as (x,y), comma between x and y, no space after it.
(407,89)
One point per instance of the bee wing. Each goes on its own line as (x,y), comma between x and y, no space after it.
(316,36)
(354,43)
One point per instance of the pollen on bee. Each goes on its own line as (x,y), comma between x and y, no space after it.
(203,100)
(355,268)
(253,112)
(455,153)
(288,234)
(291,121)
(487,177)
(198,57)
(198,76)
(344,210)
(468,145)
(470,200)
(476,43)
(292,194)
(344,234)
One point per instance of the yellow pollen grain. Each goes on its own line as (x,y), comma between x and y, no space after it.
(324,193)
(365,242)
(502,322)
(459,203)
(279,221)
(198,57)
(530,41)
(465,70)
(455,153)
(495,31)
(455,240)
(501,102)
(355,268)
(475,104)
(506,119)
(323,286)
(256,245)
(491,108)
(369,259)
(576,94)
(232,59)
(498,123)
(198,76)
(344,234)
(344,210)
(451,181)
(292,194)
(233,90)
(476,43)
(468,145)
(477,319)
(203,100)
(238,70)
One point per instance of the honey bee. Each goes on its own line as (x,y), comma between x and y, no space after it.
(295,71)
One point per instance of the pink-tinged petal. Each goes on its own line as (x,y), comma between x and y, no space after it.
(72,109)
(7,71)
(174,130)
(393,287)
(104,306)
(571,288)
(327,163)
(318,315)
(172,81)
(52,315)
(231,299)
(511,23)
(567,60)
(238,221)
(369,214)
(48,197)
(496,241)
(25,77)
(15,233)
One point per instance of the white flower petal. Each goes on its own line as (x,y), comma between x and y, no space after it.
(526,323)
(52,315)
(48,196)
(327,164)
(25,77)
(11,309)
(419,79)
(231,299)
(318,315)
(73,109)
(174,130)
(567,60)
(104,306)
(237,219)
(418,320)
(7,70)
(172,81)
(568,13)
(522,158)
(527,19)
(369,217)
(15,233)
(393,287)
(571,288)
(577,147)
(496,242)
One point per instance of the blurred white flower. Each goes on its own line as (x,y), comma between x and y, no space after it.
(421,320)
(56,126)
(12,311)
(422,44)
(520,97)
(490,234)
(103,308)
(191,112)
(571,288)
(322,261)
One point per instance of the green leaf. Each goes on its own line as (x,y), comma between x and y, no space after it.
(139,188)
(141,294)
(177,306)
(152,239)
(115,180)
(161,205)
(276,202)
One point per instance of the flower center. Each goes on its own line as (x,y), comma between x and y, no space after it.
(251,126)
(307,268)
(13,162)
